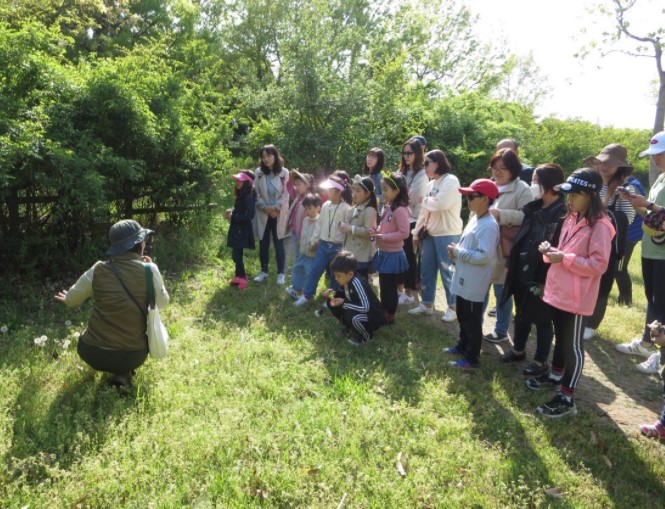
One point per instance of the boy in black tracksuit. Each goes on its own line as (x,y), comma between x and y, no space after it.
(355,304)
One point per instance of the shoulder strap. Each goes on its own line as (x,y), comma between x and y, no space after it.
(150,285)
(127,291)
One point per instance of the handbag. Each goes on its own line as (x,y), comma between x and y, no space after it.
(654,226)
(158,337)
(507,238)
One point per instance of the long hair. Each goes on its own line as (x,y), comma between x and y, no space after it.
(279,162)
(596,208)
(368,185)
(418,157)
(380,161)
(397,181)
(617,179)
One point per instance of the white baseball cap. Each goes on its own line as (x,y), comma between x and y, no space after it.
(656,145)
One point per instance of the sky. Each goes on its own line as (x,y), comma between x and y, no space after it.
(616,90)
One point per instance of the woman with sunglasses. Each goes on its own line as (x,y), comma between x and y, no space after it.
(411,168)
(439,224)
(514,194)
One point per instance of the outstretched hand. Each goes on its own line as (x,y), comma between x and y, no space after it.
(61,296)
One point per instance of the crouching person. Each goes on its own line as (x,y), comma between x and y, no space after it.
(355,304)
(115,339)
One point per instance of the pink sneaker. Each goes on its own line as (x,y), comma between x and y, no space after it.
(653,431)
(235,280)
(242,283)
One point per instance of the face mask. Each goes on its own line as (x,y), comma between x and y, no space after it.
(536,191)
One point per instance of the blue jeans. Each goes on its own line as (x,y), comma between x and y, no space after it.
(300,271)
(503,313)
(433,256)
(324,255)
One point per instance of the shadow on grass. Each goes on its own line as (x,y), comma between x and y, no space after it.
(74,423)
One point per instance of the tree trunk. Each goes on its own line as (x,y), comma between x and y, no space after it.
(658,125)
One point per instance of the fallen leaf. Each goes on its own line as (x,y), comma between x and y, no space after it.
(607,461)
(555,492)
(400,468)
(310,471)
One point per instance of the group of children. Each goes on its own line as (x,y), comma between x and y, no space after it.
(347,234)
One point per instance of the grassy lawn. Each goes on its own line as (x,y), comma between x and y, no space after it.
(259,405)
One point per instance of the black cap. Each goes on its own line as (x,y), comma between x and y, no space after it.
(583,180)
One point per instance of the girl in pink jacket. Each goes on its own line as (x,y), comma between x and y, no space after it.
(571,288)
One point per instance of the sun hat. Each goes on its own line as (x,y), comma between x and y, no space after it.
(656,145)
(483,186)
(243,177)
(307,178)
(584,180)
(614,154)
(124,235)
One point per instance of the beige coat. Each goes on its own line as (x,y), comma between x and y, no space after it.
(509,204)
(261,217)
(361,218)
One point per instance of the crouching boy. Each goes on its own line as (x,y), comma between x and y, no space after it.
(355,304)
(474,257)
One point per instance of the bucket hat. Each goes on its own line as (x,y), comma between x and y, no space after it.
(124,235)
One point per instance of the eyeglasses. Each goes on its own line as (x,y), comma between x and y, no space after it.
(496,170)
(407,154)
(427,163)
(473,196)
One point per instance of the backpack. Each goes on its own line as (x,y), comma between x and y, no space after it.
(620,223)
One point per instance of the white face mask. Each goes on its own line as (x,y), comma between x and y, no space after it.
(536,191)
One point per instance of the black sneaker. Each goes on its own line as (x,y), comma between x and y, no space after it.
(543,382)
(511,356)
(535,369)
(557,407)
(357,341)
(493,337)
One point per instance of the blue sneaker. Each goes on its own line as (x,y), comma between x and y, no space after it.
(464,364)
(453,350)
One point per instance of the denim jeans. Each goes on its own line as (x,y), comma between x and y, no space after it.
(433,256)
(300,271)
(503,313)
(324,255)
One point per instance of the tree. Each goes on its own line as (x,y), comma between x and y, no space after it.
(638,42)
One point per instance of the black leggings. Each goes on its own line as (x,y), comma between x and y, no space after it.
(236,256)
(624,283)
(410,278)
(653,273)
(264,247)
(568,346)
(388,288)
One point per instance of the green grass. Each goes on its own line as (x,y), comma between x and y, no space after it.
(259,405)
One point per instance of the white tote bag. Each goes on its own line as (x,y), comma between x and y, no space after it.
(158,337)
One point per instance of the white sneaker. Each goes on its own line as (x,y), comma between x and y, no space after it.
(422,309)
(588,333)
(261,277)
(405,299)
(449,316)
(301,301)
(635,348)
(292,293)
(280,279)
(651,365)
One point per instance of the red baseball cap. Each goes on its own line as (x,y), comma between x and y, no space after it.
(483,186)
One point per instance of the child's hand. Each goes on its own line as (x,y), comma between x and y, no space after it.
(371,232)
(228,213)
(544,247)
(61,296)
(554,255)
(336,302)
(345,227)
(313,246)
(328,294)
(451,250)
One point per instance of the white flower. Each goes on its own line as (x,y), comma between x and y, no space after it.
(77,334)
(65,344)
(41,341)
(68,323)
(4,329)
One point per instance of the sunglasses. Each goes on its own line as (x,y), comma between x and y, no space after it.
(473,196)
(407,154)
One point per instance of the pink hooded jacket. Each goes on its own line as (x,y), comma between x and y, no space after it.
(572,285)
